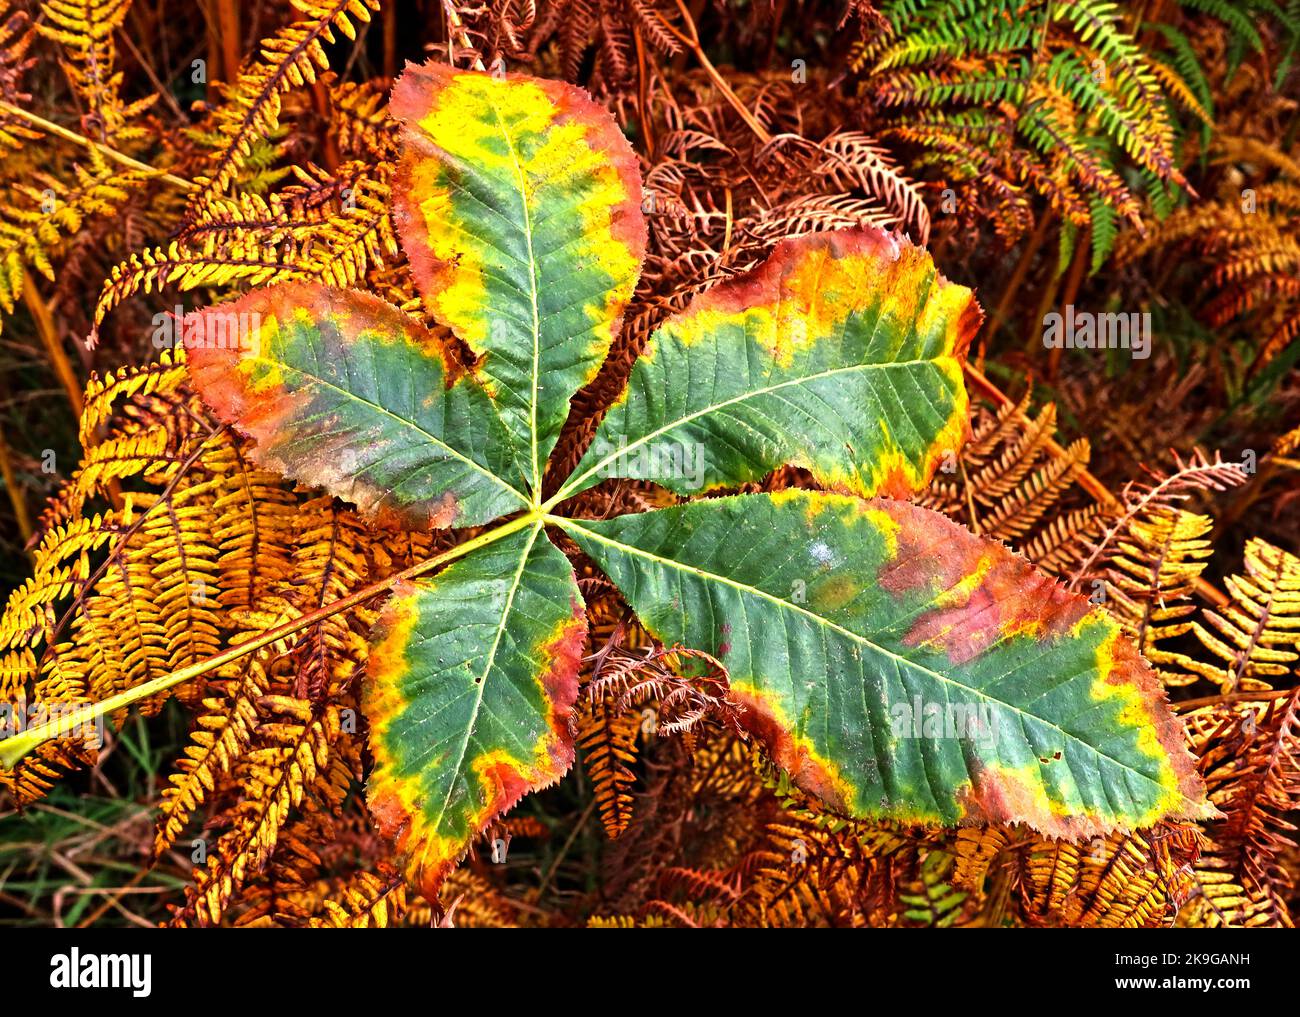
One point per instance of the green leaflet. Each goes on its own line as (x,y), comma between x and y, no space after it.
(473,675)
(898,665)
(519,206)
(342,390)
(842,353)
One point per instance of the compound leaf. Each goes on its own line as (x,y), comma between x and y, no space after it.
(473,675)
(518,203)
(842,353)
(898,665)
(343,391)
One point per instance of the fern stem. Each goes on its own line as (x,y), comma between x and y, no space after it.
(1131,511)
(643,94)
(16,496)
(390,41)
(564,850)
(223,38)
(84,142)
(456,33)
(40,312)
(1019,273)
(15,747)
(692,42)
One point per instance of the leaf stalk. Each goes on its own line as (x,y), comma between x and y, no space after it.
(15,747)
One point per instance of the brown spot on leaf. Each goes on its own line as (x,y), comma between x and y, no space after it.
(560,681)
(391,818)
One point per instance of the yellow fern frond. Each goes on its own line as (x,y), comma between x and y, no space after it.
(293,747)
(1151,583)
(84,30)
(1136,880)
(224,730)
(1257,635)
(291,58)
(368,901)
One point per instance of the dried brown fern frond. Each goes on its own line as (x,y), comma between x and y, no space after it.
(164,546)
(126,590)
(42,213)
(16,36)
(359,123)
(1008,482)
(852,161)
(704,809)
(287,890)
(276,778)
(1163,491)
(223,732)
(472,903)
(154,608)
(608,736)
(635,689)
(607,740)
(1123,880)
(779,859)
(1250,758)
(1137,880)
(683,687)
(813,867)
(1243,244)
(976,849)
(368,901)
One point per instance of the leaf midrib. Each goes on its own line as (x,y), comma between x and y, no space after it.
(441,443)
(571,524)
(532,278)
(571,486)
(489,661)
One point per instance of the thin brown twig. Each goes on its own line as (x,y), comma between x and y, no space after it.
(692,42)
(456,30)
